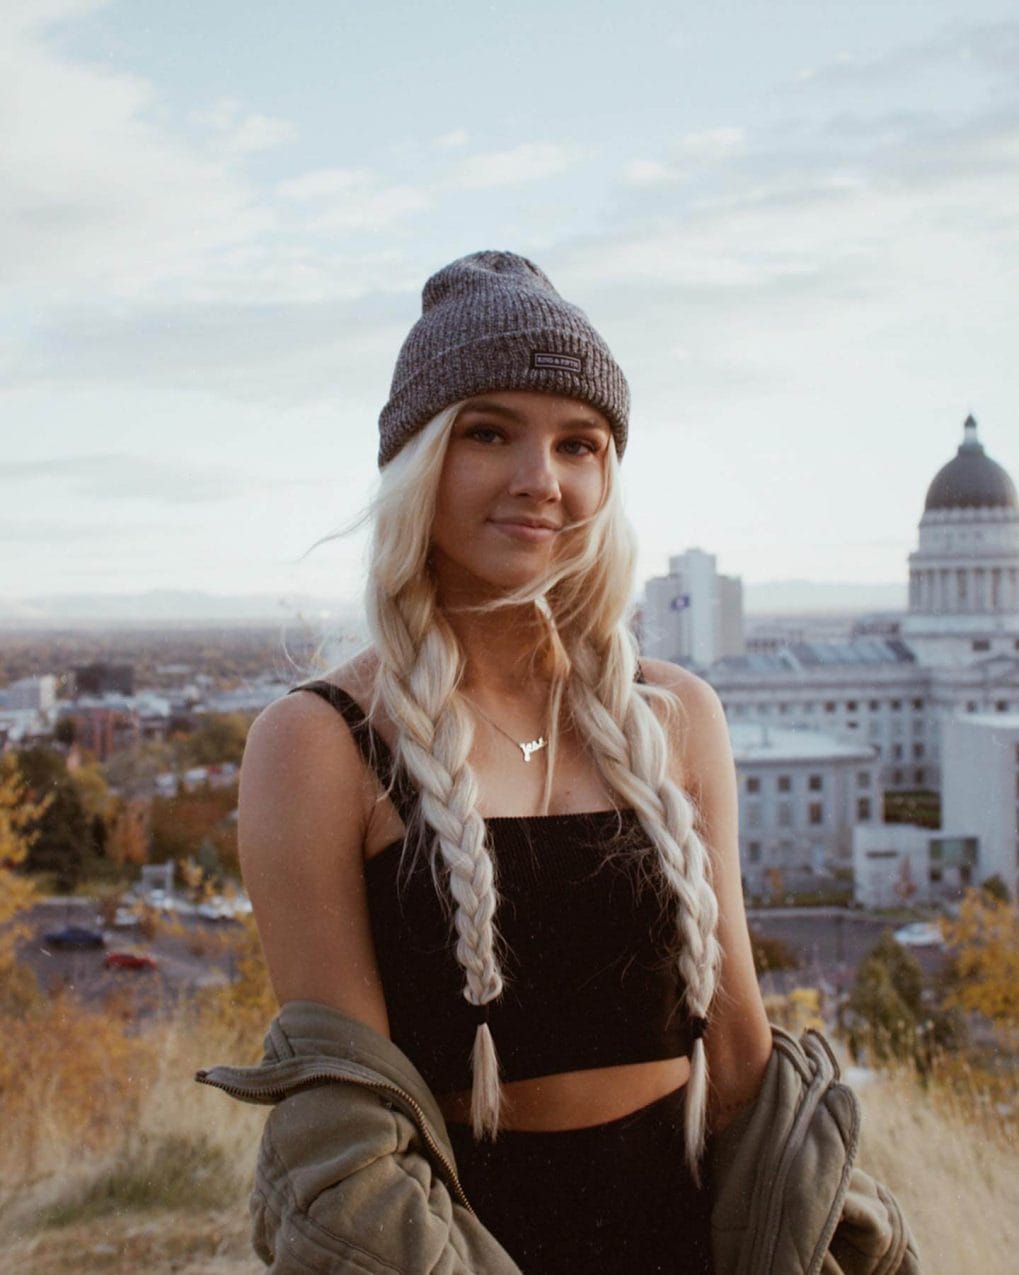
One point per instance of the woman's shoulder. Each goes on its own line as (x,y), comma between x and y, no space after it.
(696,697)
(698,731)
(305,733)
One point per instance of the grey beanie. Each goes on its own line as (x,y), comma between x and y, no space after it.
(493,321)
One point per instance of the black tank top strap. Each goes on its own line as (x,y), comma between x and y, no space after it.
(377,755)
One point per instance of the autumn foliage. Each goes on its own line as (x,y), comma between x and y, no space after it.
(985,977)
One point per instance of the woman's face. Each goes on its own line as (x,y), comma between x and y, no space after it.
(519,468)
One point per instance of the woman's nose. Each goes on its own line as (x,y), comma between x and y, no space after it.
(535,475)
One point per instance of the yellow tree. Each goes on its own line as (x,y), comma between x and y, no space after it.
(985,936)
(18,819)
(129,840)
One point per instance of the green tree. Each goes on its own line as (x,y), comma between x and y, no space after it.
(61,834)
(885,1004)
(219,738)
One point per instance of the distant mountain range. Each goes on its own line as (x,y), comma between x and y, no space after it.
(174,608)
(170,607)
(805,597)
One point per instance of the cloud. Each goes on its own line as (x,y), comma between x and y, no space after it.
(124,476)
(529,162)
(702,149)
(240,132)
(452,140)
(350,199)
(992,47)
(95,191)
(648,172)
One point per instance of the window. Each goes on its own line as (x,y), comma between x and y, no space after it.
(863,808)
(918,752)
(874,705)
(785,814)
(918,705)
(918,777)
(863,779)
(850,705)
(971,706)
(896,705)
(1001,705)
(896,752)
(829,706)
(785,784)
(935,875)
(754,851)
(896,777)
(753,783)
(816,812)
(815,783)
(981,644)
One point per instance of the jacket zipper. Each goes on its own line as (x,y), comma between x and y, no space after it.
(421,1120)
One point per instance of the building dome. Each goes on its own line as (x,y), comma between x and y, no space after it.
(971,480)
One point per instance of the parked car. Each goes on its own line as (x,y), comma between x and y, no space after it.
(74,936)
(919,934)
(130,961)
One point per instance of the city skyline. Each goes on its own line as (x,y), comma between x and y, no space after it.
(793,225)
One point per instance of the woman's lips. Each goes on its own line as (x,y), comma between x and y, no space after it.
(534,533)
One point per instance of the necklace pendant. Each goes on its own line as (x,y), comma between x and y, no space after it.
(532,746)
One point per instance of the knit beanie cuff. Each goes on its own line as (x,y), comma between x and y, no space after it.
(490,322)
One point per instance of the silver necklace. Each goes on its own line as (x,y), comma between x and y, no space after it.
(527,747)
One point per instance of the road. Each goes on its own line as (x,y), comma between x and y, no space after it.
(188,960)
(831,942)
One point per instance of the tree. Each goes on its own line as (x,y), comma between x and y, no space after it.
(129,839)
(219,738)
(985,974)
(996,888)
(19,819)
(885,1004)
(60,837)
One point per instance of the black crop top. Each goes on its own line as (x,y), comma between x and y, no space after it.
(588,931)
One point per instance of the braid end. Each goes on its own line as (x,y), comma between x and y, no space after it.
(485,1091)
(696,1109)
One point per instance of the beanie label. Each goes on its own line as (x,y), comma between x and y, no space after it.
(568,362)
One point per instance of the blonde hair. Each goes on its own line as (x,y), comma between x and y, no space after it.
(591,656)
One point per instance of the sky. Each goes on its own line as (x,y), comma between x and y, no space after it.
(796,224)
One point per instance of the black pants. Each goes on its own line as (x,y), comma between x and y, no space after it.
(610,1199)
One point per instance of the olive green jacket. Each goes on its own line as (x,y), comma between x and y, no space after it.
(355,1170)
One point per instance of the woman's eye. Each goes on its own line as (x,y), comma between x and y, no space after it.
(580,446)
(483,433)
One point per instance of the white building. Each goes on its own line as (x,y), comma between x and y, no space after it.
(800,792)
(980,790)
(693,615)
(901,863)
(955,652)
(36,693)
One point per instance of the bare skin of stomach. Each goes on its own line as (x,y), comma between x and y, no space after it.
(576,1099)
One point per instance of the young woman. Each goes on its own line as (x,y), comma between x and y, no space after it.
(497,837)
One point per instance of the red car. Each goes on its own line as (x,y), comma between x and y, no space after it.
(130,961)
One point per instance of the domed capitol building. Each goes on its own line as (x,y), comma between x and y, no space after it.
(928,700)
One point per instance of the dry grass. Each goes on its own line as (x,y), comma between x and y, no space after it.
(113,1160)
(954,1169)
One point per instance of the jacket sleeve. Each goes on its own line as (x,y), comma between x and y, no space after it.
(341,1184)
(872,1235)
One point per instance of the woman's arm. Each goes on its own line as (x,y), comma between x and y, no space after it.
(306,799)
(738,1039)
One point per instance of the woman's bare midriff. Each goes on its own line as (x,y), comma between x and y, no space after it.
(575,1099)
